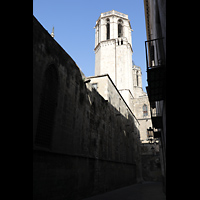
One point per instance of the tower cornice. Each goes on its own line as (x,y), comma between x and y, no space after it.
(113,13)
(110,42)
(104,41)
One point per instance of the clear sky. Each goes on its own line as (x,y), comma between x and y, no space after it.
(74,22)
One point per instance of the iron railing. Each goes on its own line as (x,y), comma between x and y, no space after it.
(155,56)
(156,109)
(156,114)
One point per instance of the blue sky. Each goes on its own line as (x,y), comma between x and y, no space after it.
(74,22)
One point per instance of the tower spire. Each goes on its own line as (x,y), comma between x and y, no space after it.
(52,34)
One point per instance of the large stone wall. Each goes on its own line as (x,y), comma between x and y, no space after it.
(82,145)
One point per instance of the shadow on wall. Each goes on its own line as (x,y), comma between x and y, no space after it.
(81,144)
(105,160)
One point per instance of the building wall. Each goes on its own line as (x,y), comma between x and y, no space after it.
(105,59)
(151,163)
(107,89)
(140,99)
(82,145)
(155,18)
(145,121)
(124,65)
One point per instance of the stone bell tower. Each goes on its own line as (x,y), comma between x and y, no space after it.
(137,81)
(113,49)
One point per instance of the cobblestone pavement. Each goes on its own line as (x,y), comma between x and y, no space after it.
(143,191)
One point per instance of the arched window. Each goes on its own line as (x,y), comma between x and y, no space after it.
(145,112)
(48,102)
(120,28)
(108,29)
(137,77)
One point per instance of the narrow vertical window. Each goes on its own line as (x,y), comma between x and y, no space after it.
(98,34)
(108,29)
(145,113)
(48,102)
(120,28)
(137,77)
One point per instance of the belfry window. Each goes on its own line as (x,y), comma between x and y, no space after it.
(108,29)
(145,112)
(120,28)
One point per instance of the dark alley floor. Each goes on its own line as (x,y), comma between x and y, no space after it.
(144,191)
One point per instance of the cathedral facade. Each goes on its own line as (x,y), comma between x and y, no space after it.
(113,57)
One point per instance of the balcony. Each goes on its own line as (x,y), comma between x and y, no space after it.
(156,69)
(156,114)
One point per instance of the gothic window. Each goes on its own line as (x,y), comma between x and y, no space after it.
(108,29)
(137,77)
(145,112)
(120,28)
(48,103)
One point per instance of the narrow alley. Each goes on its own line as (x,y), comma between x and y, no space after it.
(99,124)
(143,191)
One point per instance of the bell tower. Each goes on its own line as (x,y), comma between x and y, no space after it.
(137,81)
(113,49)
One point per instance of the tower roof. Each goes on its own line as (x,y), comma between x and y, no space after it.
(136,67)
(114,12)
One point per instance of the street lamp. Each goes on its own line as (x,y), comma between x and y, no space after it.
(150,134)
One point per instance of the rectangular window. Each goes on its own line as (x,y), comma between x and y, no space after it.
(145,113)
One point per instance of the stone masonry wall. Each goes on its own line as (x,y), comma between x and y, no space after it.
(81,144)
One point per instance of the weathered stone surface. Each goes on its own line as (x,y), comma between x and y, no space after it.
(88,148)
